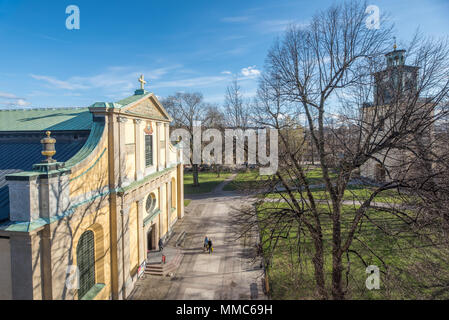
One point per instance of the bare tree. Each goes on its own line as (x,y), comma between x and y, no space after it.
(185,109)
(236,107)
(326,72)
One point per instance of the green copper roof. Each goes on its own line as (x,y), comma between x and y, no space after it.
(133,98)
(45,119)
(92,141)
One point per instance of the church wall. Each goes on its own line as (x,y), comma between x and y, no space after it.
(130,150)
(129,132)
(65,237)
(161,134)
(174,198)
(92,178)
(172,155)
(53,247)
(5,267)
(130,162)
(133,239)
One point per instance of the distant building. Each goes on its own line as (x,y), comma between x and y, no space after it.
(396,105)
(114,190)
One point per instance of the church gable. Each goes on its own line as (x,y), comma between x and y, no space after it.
(148,108)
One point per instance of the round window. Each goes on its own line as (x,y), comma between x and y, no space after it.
(151,203)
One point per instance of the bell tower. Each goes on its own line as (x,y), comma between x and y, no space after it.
(397,81)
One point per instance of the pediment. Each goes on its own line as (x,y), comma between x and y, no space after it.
(149,107)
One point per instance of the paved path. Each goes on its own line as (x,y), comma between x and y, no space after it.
(232,271)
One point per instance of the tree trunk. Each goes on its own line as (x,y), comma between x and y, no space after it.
(318,263)
(337,264)
(311,145)
(195,176)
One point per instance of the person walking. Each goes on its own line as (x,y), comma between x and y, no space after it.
(206,243)
(209,244)
(161,245)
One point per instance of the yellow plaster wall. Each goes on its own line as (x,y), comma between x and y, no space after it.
(161,133)
(133,239)
(130,163)
(129,132)
(92,176)
(166,206)
(171,154)
(65,237)
(5,270)
(173,204)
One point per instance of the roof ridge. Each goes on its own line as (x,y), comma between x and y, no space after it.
(41,109)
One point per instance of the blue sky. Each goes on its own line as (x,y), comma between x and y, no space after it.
(178,45)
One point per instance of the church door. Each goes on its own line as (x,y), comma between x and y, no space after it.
(150,243)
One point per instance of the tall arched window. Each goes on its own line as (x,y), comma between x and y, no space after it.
(85,255)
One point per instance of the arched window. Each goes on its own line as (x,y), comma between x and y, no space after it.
(85,255)
(151,203)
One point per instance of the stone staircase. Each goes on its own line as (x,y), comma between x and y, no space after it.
(160,269)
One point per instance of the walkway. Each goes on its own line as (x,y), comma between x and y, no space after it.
(232,271)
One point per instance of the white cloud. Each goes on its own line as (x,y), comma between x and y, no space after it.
(113,79)
(205,81)
(11,100)
(235,19)
(22,103)
(250,72)
(6,95)
(275,25)
(226,72)
(69,85)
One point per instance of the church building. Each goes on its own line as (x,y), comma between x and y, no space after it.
(397,104)
(85,195)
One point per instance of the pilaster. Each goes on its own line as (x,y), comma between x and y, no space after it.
(138,148)
(123,179)
(166,144)
(140,230)
(158,145)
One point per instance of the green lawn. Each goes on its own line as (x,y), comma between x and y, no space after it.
(293,278)
(290,279)
(314,175)
(244,181)
(186,202)
(208,181)
(352,193)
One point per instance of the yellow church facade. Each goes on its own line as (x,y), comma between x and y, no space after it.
(81,226)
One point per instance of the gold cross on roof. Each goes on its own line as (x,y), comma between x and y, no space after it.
(142,82)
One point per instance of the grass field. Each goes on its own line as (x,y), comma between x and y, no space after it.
(290,279)
(396,252)
(352,193)
(208,181)
(186,202)
(244,181)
